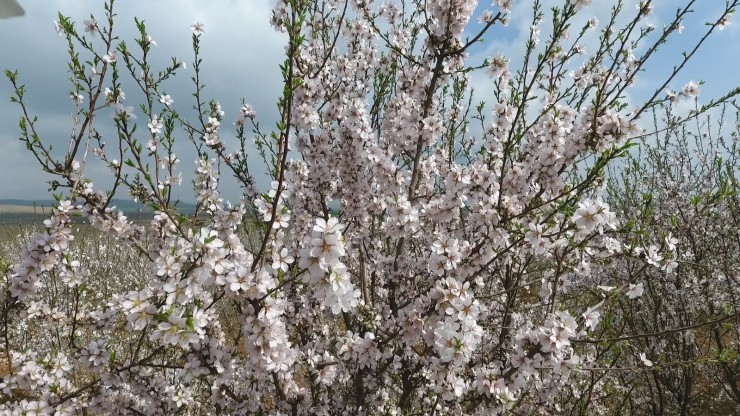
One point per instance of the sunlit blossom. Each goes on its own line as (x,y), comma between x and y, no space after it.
(166,99)
(155,124)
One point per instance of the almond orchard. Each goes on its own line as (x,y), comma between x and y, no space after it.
(568,245)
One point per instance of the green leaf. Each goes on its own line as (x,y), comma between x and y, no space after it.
(112,360)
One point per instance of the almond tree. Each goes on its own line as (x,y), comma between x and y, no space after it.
(681,196)
(413,255)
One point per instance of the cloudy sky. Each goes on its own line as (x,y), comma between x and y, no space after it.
(241,55)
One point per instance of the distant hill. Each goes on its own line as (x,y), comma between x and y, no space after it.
(125,205)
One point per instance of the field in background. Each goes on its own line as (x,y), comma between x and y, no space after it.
(23,209)
(28,215)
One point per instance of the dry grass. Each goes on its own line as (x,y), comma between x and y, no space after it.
(4,365)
